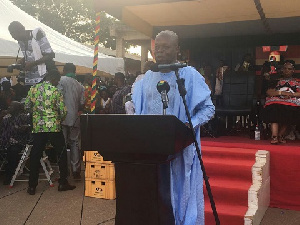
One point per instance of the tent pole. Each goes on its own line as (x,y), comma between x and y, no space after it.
(95,63)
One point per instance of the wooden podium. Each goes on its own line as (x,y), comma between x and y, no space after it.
(141,146)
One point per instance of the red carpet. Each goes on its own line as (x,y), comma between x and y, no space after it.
(284,166)
(229,172)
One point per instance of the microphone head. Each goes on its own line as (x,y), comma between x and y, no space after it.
(175,66)
(163,86)
(154,67)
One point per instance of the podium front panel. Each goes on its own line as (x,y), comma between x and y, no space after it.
(134,137)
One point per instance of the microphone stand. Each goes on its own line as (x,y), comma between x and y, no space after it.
(165,103)
(182,92)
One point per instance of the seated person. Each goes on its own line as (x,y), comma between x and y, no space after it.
(282,107)
(247,64)
(14,132)
(222,69)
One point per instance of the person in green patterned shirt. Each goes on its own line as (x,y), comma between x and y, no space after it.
(48,111)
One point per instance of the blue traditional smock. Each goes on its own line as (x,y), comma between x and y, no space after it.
(186,174)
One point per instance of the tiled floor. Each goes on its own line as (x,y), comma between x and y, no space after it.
(48,206)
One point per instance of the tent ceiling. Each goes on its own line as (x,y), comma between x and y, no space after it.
(195,12)
(206,18)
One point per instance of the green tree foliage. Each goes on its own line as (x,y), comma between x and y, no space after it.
(72,18)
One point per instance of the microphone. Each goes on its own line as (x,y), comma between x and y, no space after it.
(174,66)
(163,88)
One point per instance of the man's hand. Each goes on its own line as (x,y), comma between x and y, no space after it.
(188,125)
(21,61)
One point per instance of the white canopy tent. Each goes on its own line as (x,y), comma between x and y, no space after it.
(66,50)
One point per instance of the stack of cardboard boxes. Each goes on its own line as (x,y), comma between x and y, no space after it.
(99,176)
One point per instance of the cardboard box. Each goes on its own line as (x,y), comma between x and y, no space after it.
(100,188)
(101,171)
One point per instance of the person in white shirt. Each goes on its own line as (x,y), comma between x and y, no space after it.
(73,93)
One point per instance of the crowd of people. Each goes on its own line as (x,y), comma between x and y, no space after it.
(50,110)
(214,75)
(276,92)
(45,107)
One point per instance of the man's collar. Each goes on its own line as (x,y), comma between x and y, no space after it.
(72,75)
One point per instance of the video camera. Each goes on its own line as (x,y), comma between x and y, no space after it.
(11,67)
(19,67)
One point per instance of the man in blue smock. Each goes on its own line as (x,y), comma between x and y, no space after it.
(186,175)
